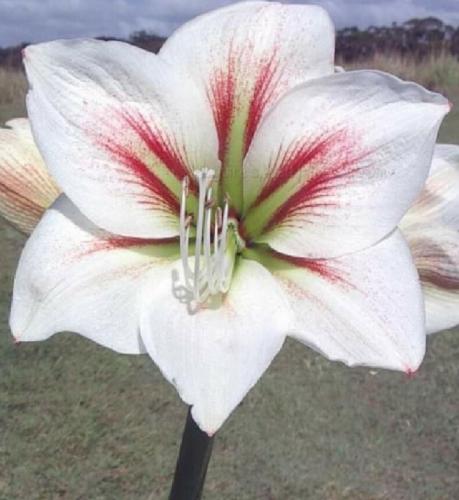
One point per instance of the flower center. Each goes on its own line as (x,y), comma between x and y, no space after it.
(214,246)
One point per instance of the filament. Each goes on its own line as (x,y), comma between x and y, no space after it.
(210,273)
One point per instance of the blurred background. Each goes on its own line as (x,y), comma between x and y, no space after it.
(80,422)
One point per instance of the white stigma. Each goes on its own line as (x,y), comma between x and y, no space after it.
(210,273)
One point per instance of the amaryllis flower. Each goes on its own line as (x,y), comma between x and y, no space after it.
(223,194)
(430,225)
(26,188)
(431,228)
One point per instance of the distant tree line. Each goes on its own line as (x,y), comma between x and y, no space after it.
(12,57)
(417,37)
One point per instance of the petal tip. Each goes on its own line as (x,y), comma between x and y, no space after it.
(202,423)
(28,52)
(411,367)
(411,372)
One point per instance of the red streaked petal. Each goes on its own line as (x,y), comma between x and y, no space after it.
(330,270)
(73,276)
(267,88)
(297,157)
(246,56)
(107,242)
(119,128)
(361,309)
(326,166)
(140,152)
(163,146)
(337,162)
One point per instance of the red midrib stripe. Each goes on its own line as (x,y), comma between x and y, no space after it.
(143,176)
(121,242)
(316,188)
(296,158)
(322,267)
(222,95)
(159,144)
(266,86)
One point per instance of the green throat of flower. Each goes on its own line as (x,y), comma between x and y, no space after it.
(208,258)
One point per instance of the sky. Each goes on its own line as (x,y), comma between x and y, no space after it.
(40,20)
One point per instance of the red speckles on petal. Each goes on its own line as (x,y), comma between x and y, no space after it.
(106,243)
(329,165)
(267,87)
(326,268)
(302,154)
(115,242)
(136,145)
(222,96)
(243,84)
(160,145)
(136,171)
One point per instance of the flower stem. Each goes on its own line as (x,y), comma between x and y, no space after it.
(192,462)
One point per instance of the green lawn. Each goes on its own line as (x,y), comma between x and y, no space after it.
(80,422)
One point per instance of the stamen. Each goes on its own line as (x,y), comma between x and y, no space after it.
(185,221)
(221,250)
(211,273)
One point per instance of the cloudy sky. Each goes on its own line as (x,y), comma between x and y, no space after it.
(39,20)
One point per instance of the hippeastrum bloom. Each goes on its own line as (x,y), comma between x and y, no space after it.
(431,228)
(223,194)
(26,188)
(431,225)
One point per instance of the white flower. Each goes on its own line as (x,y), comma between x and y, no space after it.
(224,194)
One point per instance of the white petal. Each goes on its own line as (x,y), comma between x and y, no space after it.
(245,56)
(338,161)
(20,125)
(361,309)
(215,356)
(26,188)
(438,202)
(431,228)
(119,129)
(435,250)
(445,157)
(75,277)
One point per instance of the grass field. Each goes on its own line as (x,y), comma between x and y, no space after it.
(80,422)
